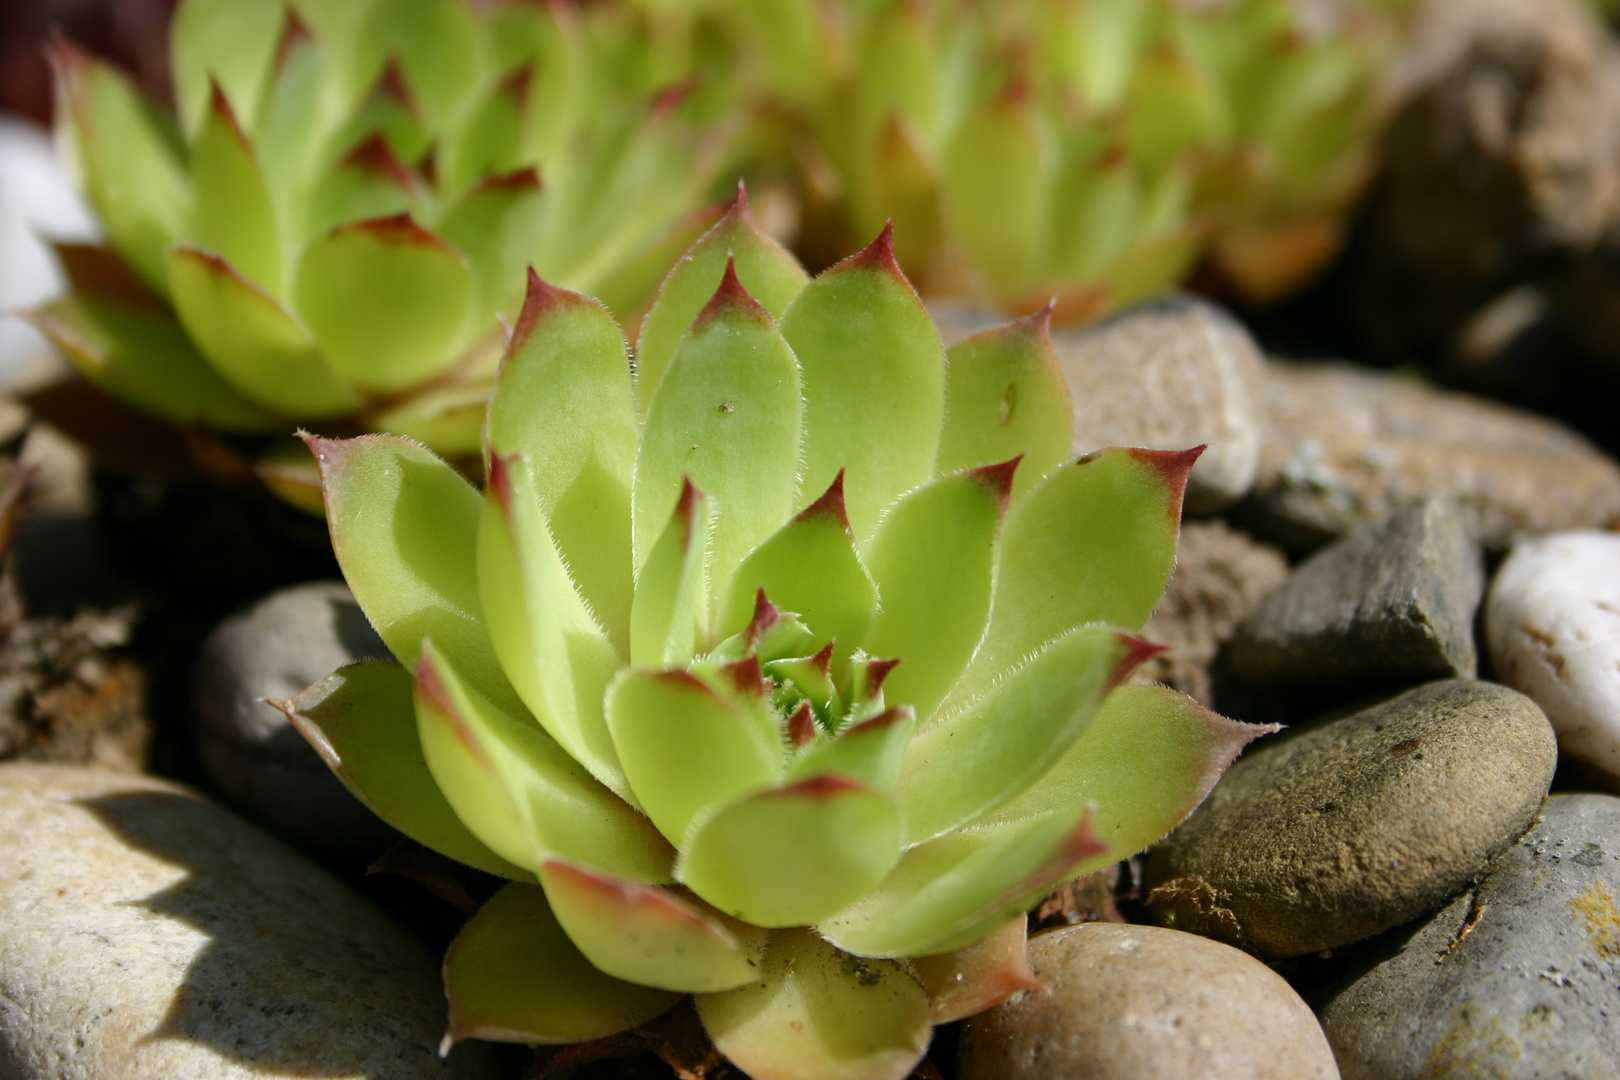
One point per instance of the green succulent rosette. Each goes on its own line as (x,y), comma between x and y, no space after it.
(781,667)
(1095,150)
(333,221)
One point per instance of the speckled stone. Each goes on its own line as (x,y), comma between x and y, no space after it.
(145,934)
(1331,834)
(1345,445)
(1552,624)
(1141,1003)
(1517,979)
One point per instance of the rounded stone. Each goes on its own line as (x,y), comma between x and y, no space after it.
(146,934)
(1552,625)
(1124,1002)
(1514,980)
(1336,832)
(253,755)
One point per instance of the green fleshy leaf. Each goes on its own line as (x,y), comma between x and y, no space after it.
(770,274)
(684,748)
(438,47)
(873,372)
(563,400)
(234,215)
(405,529)
(448,419)
(731,394)
(904,188)
(388,301)
(649,935)
(968,764)
(550,647)
(233,41)
(252,340)
(1005,396)
(934,608)
(871,751)
(795,854)
(294,124)
(489,141)
(809,566)
(667,613)
(512,975)
(368,183)
(1173,107)
(631,285)
(138,352)
(362,722)
(521,793)
(995,193)
(1095,542)
(963,884)
(821,1014)
(492,225)
(969,980)
(1144,764)
(129,158)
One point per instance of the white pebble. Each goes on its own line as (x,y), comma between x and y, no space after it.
(1552,625)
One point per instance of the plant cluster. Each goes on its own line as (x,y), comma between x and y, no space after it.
(342,203)
(781,668)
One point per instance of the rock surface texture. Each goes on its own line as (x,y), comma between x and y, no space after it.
(1514,980)
(1170,374)
(148,935)
(1345,446)
(1334,833)
(1552,625)
(1141,1003)
(1391,604)
(1221,574)
(278,647)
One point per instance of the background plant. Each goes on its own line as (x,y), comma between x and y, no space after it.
(781,669)
(332,221)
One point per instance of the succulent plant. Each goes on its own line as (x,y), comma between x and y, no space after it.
(329,226)
(1088,149)
(782,669)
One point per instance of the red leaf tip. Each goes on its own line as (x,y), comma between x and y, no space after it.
(1137,652)
(1172,467)
(766,616)
(539,299)
(876,672)
(731,297)
(375,156)
(997,480)
(746,677)
(801,726)
(500,480)
(820,787)
(830,504)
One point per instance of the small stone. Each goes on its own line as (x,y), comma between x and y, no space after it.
(146,934)
(1126,1002)
(1170,374)
(1514,980)
(1344,446)
(1391,604)
(256,758)
(1221,573)
(1333,833)
(1552,625)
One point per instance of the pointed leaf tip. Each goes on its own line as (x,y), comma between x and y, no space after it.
(732,297)
(746,677)
(1172,467)
(539,299)
(822,661)
(801,726)
(1137,652)
(831,504)
(373,155)
(765,618)
(878,255)
(294,32)
(876,672)
(998,481)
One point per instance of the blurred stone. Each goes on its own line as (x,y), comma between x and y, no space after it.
(1514,980)
(1126,1002)
(256,758)
(1552,624)
(1345,445)
(1221,573)
(1330,834)
(148,935)
(1391,604)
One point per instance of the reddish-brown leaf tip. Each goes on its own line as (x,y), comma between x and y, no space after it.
(830,505)
(518,83)
(1137,652)
(822,661)
(876,672)
(1172,467)
(499,484)
(765,618)
(396,230)
(540,298)
(745,677)
(294,32)
(430,686)
(1083,842)
(997,480)
(801,726)
(732,299)
(887,718)
(392,86)
(819,788)
(373,155)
